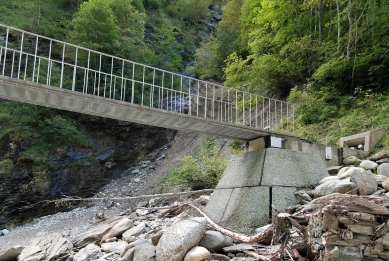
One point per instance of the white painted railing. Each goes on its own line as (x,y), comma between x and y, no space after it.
(31,57)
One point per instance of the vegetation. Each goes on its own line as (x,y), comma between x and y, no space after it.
(6,167)
(41,127)
(201,170)
(329,58)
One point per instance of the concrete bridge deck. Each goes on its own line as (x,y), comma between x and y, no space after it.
(43,95)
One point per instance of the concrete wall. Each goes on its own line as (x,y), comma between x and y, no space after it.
(255,180)
(336,155)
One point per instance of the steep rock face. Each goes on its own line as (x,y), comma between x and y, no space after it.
(71,170)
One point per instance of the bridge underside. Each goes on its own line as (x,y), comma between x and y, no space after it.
(43,95)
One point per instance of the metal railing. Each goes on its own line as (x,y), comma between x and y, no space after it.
(31,57)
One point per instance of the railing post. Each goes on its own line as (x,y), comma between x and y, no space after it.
(5,51)
(133,84)
(48,74)
(20,54)
(62,66)
(74,71)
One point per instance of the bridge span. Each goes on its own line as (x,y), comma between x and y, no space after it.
(43,71)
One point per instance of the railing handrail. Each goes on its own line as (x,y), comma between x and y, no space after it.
(207,96)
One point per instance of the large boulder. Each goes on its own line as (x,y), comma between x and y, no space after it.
(51,247)
(95,233)
(368,164)
(119,228)
(11,253)
(335,186)
(134,232)
(364,179)
(179,238)
(90,252)
(215,240)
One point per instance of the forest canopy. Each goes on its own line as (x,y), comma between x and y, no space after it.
(336,47)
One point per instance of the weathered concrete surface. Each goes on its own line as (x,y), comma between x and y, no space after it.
(253,181)
(292,169)
(218,203)
(247,209)
(283,197)
(369,139)
(243,170)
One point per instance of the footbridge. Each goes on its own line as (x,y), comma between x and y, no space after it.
(39,70)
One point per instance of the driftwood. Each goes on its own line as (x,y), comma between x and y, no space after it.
(67,200)
(356,225)
(279,231)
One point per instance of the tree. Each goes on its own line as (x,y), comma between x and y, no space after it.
(111,26)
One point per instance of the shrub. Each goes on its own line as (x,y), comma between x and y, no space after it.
(199,171)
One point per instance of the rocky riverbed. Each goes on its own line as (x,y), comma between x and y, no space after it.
(346,220)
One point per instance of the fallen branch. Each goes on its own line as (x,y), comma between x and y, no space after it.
(255,255)
(245,239)
(65,200)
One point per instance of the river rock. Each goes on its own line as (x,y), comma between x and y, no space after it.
(335,186)
(11,253)
(114,247)
(324,180)
(197,253)
(364,179)
(378,156)
(380,179)
(368,164)
(333,169)
(134,232)
(385,184)
(95,233)
(90,252)
(5,232)
(144,253)
(179,238)
(352,160)
(383,169)
(119,228)
(51,247)
(384,160)
(215,241)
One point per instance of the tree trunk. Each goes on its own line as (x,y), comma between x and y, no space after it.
(339,29)
(350,27)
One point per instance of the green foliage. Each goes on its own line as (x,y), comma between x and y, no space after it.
(207,60)
(199,171)
(6,167)
(43,127)
(190,10)
(111,26)
(237,146)
(166,49)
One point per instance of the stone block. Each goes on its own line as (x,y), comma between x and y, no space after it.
(243,170)
(292,169)
(247,209)
(217,204)
(283,197)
